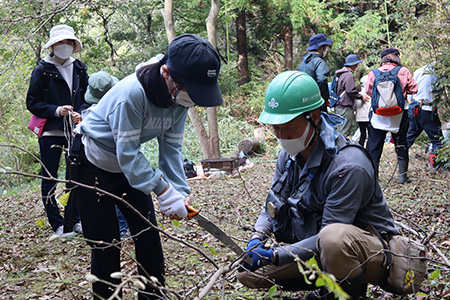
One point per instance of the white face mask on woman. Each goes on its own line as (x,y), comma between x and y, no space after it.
(181,97)
(295,146)
(63,51)
(325,52)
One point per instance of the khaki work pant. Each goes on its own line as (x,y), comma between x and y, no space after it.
(345,251)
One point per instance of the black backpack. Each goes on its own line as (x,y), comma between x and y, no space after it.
(190,169)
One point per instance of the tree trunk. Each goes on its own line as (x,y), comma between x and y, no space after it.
(211,22)
(214,145)
(249,146)
(241,41)
(200,131)
(288,38)
(168,20)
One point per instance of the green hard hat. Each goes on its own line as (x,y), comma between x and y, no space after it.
(289,95)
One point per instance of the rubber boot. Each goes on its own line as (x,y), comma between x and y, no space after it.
(403,171)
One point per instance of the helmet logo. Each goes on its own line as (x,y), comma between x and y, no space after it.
(273,104)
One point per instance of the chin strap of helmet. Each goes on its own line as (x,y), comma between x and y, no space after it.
(308,117)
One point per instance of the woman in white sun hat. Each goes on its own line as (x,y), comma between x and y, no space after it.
(56,93)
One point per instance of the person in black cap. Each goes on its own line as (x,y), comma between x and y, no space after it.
(350,92)
(390,58)
(151,103)
(315,66)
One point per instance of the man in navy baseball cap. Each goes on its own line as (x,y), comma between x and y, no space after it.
(195,61)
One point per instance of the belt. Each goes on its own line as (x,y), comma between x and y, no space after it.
(427,107)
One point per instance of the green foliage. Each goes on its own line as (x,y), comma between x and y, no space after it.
(272,291)
(323,279)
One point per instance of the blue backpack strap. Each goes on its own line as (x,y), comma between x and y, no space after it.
(395,70)
(376,72)
(279,184)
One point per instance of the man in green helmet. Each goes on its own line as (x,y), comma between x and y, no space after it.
(325,199)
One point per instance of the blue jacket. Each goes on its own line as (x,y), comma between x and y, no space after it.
(48,90)
(315,66)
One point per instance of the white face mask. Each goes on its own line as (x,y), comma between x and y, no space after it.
(295,146)
(181,97)
(63,51)
(325,52)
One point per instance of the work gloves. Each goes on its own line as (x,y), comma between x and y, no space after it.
(171,202)
(260,256)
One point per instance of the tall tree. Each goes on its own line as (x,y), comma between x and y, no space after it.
(241,44)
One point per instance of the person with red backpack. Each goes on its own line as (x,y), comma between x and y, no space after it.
(385,117)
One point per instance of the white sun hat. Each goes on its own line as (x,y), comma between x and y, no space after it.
(63,32)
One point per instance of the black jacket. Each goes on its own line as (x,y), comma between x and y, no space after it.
(48,90)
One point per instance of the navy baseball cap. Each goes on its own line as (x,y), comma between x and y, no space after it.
(318,40)
(195,61)
(352,59)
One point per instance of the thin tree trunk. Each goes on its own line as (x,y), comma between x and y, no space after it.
(288,41)
(211,22)
(200,131)
(241,40)
(168,20)
(214,141)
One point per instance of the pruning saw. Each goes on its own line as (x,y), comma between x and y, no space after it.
(216,232)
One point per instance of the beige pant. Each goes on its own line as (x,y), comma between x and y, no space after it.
(345,251)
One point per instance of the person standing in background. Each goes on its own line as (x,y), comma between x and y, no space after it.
(56,93)
(390,58)
(362,107)
(315,66)
(424,114)
(350,92)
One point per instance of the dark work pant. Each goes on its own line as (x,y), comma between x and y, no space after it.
(376,140)
(428,121)
(99,219)
(50,157)
(363,128)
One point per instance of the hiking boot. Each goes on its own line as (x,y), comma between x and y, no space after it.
(77,228)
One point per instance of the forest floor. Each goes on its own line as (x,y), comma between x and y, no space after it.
(33,267)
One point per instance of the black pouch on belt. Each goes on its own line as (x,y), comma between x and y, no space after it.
(75,149)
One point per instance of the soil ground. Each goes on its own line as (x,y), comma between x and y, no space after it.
(32,267)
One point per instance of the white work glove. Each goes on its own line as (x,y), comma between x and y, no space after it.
(171,202)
